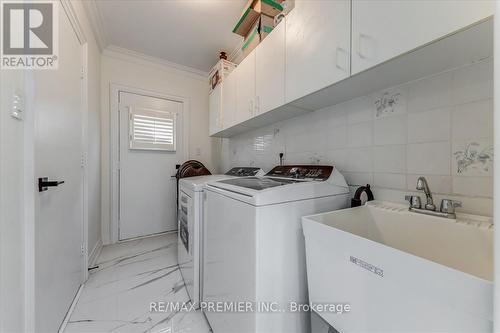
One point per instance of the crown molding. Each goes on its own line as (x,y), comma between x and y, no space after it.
(74,21)
(96,23)
(121,53)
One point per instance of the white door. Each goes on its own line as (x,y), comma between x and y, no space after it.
(382,30)
(317,45)
(270,70)
(245,88)
(147,190)
(57,102)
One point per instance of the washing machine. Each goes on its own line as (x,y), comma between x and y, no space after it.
(254,272)
(190,220)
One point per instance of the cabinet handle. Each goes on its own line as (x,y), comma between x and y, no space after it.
(360,37)
(250,109)
(338,51)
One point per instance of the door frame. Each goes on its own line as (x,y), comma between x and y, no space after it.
(114,92)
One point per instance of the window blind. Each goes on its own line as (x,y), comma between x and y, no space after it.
(152,130)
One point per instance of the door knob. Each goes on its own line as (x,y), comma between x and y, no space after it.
(44,183)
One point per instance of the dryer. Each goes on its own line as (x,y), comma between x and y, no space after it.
(190,220)
(254,247)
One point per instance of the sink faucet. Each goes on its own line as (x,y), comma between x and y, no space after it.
(447,208)
(423,186)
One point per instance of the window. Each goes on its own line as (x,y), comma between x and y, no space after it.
(152,129)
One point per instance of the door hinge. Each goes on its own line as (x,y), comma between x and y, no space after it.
(82,161)
(82,73)
(82,249)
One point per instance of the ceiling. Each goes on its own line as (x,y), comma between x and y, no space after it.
(187,32)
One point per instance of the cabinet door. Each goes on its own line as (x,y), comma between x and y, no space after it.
(245,88)
(214,110)
(382,30)
(317,46)
(270,71)
(229,100)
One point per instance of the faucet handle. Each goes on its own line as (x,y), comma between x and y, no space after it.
(414,201)
(448,206)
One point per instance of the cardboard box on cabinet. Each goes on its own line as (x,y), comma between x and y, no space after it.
(251,40)
(266,26)
(268,7)
(254,9)
(219,72)
(260,29)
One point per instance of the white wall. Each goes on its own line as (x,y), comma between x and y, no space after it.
(425,132)
(133,70)
(12,240)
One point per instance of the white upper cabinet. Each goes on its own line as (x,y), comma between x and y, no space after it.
(317,46)
(245,88)
(382,30)
(322,43)
(229,100)
(270,71)
(215,110)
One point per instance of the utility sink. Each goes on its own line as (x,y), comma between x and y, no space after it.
(400,271)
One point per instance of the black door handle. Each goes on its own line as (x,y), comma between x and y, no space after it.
(44,183)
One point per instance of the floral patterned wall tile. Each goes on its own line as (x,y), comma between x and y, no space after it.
(390,102)
(473,158)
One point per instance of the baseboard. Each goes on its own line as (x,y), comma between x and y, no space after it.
(147,236)
(94,254)
(70,310)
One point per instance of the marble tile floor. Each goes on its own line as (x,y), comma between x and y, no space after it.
(131,275)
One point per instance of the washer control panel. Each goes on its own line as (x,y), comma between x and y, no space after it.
(243,172)
(307,172)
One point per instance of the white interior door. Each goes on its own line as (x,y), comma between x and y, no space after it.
(57,103)
(147,191)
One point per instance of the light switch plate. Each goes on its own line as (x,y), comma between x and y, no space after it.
(17,105)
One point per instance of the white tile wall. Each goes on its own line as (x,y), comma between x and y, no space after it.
(358,110)
(360,134)
(439,126)
(473,120)
(429,126)
(391,130)
(432,158)
(473,186)
(391,158)
(435,92)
